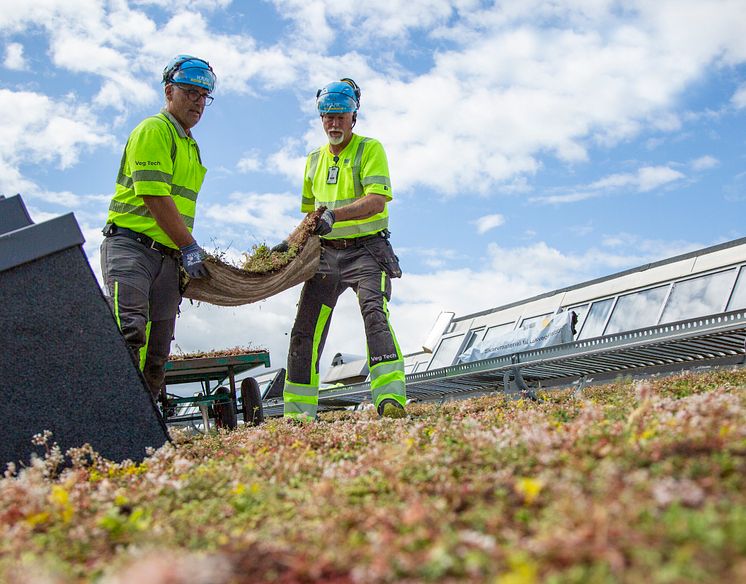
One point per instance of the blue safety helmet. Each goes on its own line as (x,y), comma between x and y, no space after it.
(190,71)
(338,97)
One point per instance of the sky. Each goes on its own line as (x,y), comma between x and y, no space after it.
(532,144)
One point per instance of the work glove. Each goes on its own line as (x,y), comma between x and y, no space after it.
(191,258)
(326,221)
(281,247)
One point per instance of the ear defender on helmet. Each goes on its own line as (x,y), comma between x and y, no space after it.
(355,88)
(189,70)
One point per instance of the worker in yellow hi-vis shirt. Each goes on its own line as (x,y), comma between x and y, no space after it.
(149,227)
(350,177)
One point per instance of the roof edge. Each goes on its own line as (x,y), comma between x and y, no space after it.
(38,240)
(642,268)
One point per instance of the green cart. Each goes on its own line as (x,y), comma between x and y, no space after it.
(215,400)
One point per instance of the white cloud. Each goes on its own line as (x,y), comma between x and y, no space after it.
(311,27)
(14,58)
(88,54)
(653,177)
(249,163)
(647,178)
(180,5)
(262,325)
(433,258)
(317,23)
(288,161)
(739,97)
(487,222)
(546,267)
(648,249)
(127,49)
(509,89)
(239,62)
(717,35)
(12,181)
(38,130)
(261,217)
(704,163)
(573,197)
(582,230)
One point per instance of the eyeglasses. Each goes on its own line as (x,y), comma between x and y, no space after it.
(194,95)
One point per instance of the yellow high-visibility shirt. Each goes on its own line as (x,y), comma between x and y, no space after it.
(362,169)
(160,159)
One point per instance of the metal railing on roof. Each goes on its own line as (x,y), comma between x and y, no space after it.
(683,344)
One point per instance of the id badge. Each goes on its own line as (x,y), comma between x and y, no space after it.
(331,176)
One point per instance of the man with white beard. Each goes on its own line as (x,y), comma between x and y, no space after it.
(349,176)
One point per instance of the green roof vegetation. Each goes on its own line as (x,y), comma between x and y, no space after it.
(626,482)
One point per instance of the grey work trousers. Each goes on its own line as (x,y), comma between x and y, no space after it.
(142,285)
(357,268)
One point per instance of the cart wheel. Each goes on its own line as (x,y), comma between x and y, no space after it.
(168,407)
(253,412)
(225,413)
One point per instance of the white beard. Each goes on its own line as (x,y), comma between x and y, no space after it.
(336,139)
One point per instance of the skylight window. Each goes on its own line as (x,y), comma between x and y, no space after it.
(596,319)
(499,329)
(698,296)
(637,310)
(738,299)
(446,352)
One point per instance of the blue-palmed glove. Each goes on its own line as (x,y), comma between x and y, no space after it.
(281,247)
(326,221)
(191,258)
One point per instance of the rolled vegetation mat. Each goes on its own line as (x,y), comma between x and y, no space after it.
(264,273)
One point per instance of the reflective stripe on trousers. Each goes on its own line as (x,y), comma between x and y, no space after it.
(338,270)
(302,399)
(143,289)
(387,377)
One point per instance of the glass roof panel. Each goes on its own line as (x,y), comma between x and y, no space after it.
(698,296)
(446,352)
(738,299)
(637,310)
(596,319)
(499,329)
